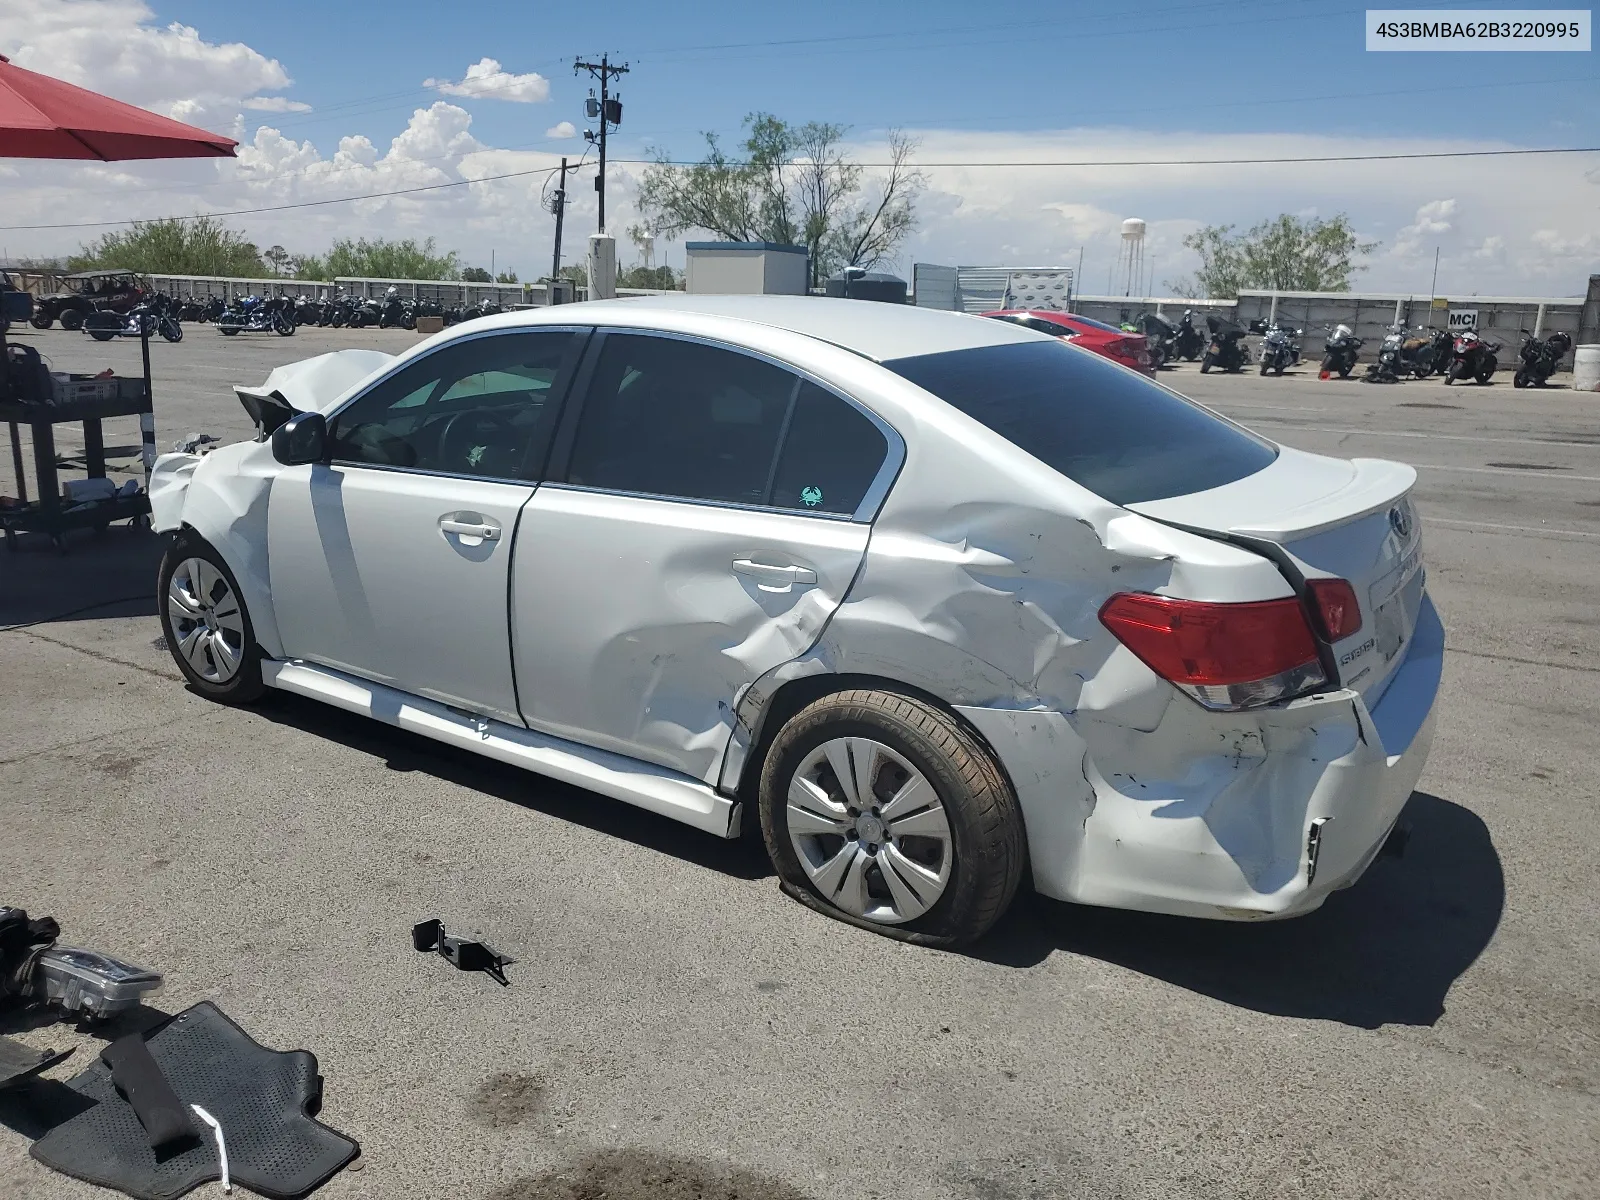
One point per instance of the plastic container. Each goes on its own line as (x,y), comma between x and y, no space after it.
(1586,369)
(90,983)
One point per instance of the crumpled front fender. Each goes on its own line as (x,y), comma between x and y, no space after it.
(222,496)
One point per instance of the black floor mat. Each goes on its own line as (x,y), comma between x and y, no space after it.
(19,1062)
(261,1097)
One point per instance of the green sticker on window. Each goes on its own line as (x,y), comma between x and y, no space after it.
(811,496)
(475,455)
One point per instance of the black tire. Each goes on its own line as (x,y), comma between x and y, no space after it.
(245,686)
(1520,379)
(172,331)
(988,850)
(1265,367)
(102,335)
(72,319)
(1205,364)
(41,320)
(1452,373)
(1278,370)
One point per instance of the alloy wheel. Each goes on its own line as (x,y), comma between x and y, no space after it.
(870,830)
(207,622)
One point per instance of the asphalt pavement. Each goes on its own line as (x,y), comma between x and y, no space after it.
(676,1027)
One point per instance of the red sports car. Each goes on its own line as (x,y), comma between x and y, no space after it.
(1129,349)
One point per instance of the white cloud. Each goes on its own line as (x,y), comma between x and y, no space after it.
(563,129)
(274,104)
(1523,231)
(487,80)
(113,47)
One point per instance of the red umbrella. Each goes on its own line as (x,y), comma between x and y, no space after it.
(42,117)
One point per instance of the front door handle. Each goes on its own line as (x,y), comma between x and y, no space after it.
(777,576)
(487,533)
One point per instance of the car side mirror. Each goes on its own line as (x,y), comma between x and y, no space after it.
(303,438)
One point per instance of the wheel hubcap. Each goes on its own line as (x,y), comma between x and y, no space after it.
(207,622)
(869,830)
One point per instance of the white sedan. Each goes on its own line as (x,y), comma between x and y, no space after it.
(940,602)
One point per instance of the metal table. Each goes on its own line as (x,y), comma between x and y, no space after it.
(50,513)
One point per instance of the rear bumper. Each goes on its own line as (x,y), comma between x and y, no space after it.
(1211,814)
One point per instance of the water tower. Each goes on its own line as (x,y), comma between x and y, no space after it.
(1130,258)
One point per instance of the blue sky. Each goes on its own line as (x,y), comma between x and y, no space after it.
(1219,65)
(1189,78)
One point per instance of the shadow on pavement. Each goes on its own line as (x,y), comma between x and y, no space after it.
(1383,952)
(742,858)
(104,575)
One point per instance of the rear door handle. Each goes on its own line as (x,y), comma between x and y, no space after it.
(774,575)
(488,533)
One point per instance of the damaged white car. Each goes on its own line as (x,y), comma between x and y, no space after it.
(940,602)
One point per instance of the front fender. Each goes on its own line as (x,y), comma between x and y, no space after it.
(223,497)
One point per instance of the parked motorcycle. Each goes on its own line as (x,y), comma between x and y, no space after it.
(1540,359)
(307,310)
(1279,350)
(1227,350)
(1339,352)
(253,314)
(1472,357)
(1161,336)
(394,312)
(1188,340)
(1403,353)
(156,315)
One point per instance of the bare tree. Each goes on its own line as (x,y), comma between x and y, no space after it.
(793,184)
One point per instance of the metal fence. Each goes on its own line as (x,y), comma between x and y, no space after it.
(445,291)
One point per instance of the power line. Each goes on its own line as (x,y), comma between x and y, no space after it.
(1188,162)
(242,212)
(1060,164)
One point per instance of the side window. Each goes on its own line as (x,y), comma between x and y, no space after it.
(675,418)
(831,454)
(480,407)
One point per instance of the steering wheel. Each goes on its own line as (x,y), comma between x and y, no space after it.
(481,443)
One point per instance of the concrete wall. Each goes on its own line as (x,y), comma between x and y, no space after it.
(1500,318)
(1114,310)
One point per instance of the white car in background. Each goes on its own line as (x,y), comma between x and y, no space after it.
(938,601)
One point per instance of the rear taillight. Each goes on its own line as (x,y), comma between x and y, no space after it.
(1226,656)
(1336,605)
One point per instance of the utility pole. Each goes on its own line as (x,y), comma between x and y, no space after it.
(558,205)
(608,110)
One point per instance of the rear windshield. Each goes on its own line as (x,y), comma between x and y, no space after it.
(1113,431)
(1093,324)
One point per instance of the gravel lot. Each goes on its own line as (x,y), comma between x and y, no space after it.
(675,1026)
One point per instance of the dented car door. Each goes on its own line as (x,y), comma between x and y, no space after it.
(706,514)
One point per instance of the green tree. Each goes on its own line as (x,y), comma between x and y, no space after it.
(476,275)
(382,258)
(661,278)
(506,277)
(309,266)
(794,184)
(278,259)
(1285,254)
(175,246)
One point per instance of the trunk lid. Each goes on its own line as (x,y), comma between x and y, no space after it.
(1320,517)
